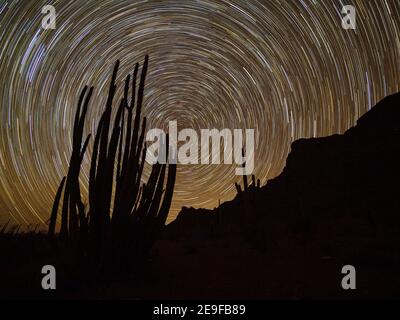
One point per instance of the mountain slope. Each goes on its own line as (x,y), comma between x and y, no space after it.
(343,185)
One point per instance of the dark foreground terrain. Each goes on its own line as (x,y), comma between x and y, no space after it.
(226,268)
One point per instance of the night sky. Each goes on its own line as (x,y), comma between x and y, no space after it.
(284,68)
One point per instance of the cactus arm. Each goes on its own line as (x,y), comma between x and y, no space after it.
(56,203)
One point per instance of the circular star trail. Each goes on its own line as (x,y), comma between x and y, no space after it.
(286,69)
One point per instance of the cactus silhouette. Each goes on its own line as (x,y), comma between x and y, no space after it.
(255,184)
(124,217)
(53,216)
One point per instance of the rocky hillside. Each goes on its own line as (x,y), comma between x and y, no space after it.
(340,186)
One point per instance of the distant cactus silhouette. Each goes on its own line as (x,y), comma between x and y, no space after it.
(124,217)
(4,228)
(246,187)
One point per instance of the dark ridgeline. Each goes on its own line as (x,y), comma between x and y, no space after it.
(340,192)
(124,217)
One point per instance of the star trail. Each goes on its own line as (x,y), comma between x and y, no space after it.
(286,69)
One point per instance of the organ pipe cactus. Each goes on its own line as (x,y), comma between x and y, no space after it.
(123,215)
